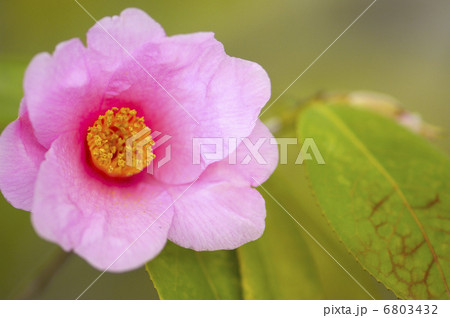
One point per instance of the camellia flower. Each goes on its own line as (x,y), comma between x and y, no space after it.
(65,157)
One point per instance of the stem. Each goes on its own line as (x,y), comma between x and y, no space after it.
(36,286)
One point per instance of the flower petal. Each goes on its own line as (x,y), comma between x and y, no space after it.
(60,92)
(217,215)
(116,38)
(190,88)
(221,210)
(114,226)
(21,156)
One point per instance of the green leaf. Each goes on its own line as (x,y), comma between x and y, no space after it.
(386,192)
(286,263)
(179,273)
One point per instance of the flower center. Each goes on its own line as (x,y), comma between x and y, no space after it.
(120,143)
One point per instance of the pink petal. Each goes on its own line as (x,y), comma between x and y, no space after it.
(97,219)
(60,91)
(221,210)
(217,215)
(116,38)
(185,79)
(65,90)
(21,156)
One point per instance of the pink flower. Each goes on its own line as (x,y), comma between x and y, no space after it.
(63,158)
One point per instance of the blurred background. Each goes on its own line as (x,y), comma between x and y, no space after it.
(399,47)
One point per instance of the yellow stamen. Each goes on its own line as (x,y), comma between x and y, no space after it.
(120,143)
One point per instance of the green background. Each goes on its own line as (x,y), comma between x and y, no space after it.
(399,47)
